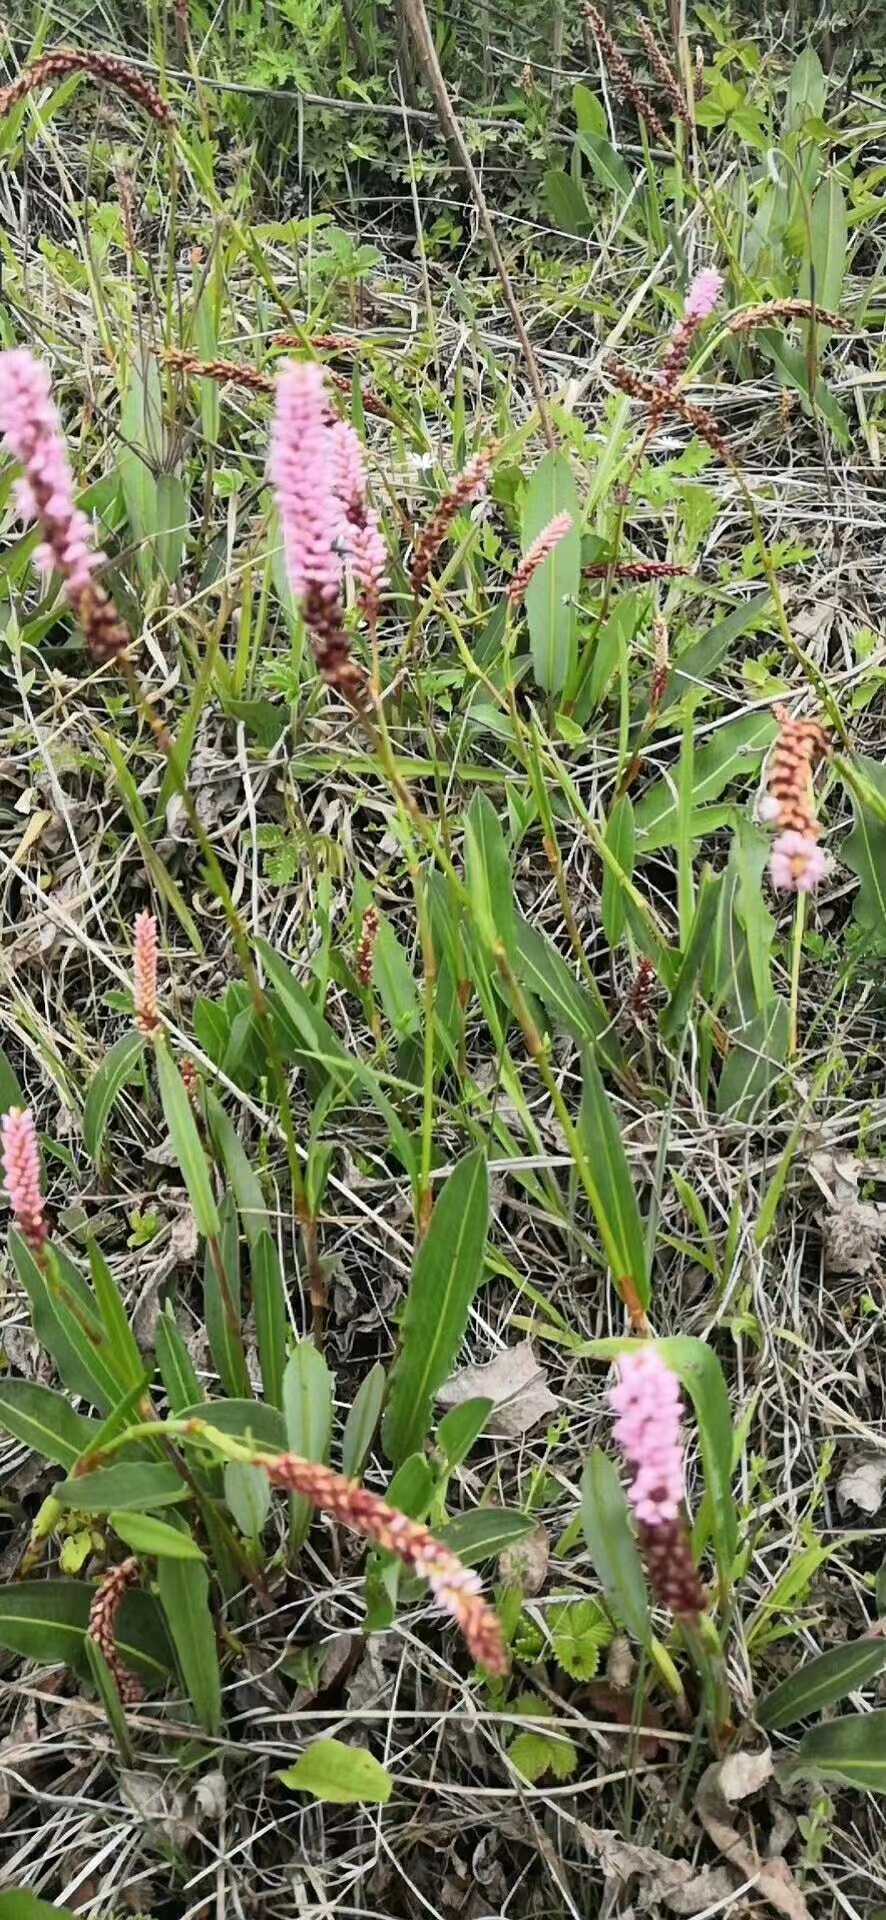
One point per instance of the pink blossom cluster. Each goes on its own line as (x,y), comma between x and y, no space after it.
(30,427)
(703,294)
(144,972)
(21,1173)
(649,1431)
(798,864)
(318,472)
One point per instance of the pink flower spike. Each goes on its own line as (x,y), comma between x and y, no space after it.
(649,1432)
(363,540)
(144,973)
(703,294)
(798,863)
(21,1172)
(535,555)
(302,473)
(30,427)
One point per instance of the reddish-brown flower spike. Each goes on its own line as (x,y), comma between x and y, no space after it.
(102,67)
(455,1587)
(535,555)
(144,971)
(469,486)
(365,954)
(21,1173)
(622,74)
(103,1616)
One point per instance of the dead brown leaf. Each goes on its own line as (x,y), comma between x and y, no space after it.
(516,1383)
(720,1786)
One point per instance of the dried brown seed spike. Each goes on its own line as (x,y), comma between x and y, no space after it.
(100,66)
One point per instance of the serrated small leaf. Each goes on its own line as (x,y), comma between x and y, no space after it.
(341,1775)
(105,1087)
(186,1141)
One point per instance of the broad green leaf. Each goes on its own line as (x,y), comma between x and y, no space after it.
(733,753)
(459,1428)
(616,1209)
(172,525)
(18,1904)
(576,1005)
(751,852)
(307,1406)
(362,1421)
(346,1776)
(46,1620)
(183,1586)
(485,1532)
(395,981)
(807,89)
(129,1484)
(551,595)
(793,365)
(620,841)
(446,1274)
(109,1695)
(607,166)
(144,1534)
(241,1174)
(864,851)
(248,1495)
(824,265)
(818,1683)
(851,1750)
(123,1349)
(186,1140)
(243,1420)
(174,1361)
(674,1017)
(489,876)
(312,1036)
(221,1303)
(43,1420)
(271,1317)
(590,112)
(612,1546)
(566,203)
(65,1322)
(10,1090)
(141,439)
(694,667)
(411,1492)
(754,1063)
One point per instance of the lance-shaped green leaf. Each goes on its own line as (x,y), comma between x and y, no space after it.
(447,1272)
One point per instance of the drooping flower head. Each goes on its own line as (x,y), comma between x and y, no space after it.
(22,1177)
(649,1431)
(144,972)
(30,427)
(32,431)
